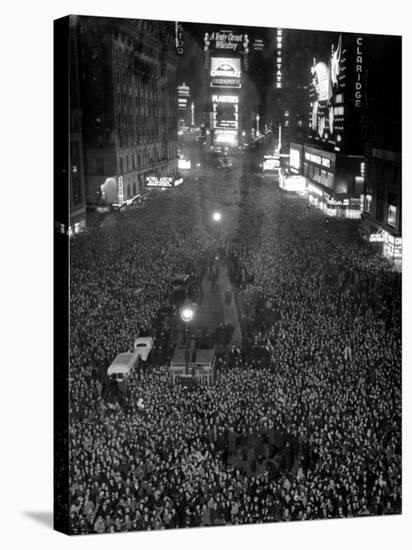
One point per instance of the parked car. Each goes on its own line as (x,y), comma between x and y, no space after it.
(260,355)
(143,346)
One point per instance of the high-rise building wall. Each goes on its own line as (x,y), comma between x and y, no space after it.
(128,93)
(382,202)
(333,160)
(381,222)
(286,102)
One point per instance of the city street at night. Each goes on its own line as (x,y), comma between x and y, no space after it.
(235,247)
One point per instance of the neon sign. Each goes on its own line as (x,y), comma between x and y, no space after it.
(120,189)
(225,98)
(225,67)
(153,181)
(359,69)
(270,164)
(226,40)
(295,159)
(278,68)
(225,83)
(226,136)
(183,164)
(179,37)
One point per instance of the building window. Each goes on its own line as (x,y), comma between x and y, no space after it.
(392,215)
(368,204)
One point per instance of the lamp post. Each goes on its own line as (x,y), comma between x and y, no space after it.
(186,315)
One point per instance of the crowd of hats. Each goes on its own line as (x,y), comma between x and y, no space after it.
(316,433)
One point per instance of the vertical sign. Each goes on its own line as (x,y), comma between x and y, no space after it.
(206,40)
(358,71)
(179,37)
(279,55)
(245,52)
(120,190)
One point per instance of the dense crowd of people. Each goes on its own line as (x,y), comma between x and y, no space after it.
(315,433)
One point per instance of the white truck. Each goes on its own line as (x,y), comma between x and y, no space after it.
(122,366)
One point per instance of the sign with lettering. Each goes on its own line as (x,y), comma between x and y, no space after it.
(179,38)
(270,164)
(278,51)
(359,71)
(120,189)
(226,40)
(225,67)
(184,164)
(164,181)
(225,82)
(294,160)
(224,136)
(317,159)
(225,98)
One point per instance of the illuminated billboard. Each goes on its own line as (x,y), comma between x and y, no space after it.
(226,137)
(225,82)
(225,111)
(225,98)
(294,159)
(225,67)
(328,91)
(184,164)
(153,181)
(226,40)
(271,162)
(225,116)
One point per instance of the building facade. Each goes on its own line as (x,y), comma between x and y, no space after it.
(382,202)
(290,89)
(381,222)
(128,89)
(333,158)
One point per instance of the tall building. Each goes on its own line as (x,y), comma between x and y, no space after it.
(128,93)
(381,222)
(333,156)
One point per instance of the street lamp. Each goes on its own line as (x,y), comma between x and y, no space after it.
(216,216)
(186,315)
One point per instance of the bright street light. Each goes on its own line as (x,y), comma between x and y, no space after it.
(217,216)
(186,314)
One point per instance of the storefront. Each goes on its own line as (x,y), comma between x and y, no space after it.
(387,242)
(334,182)
(293,183)
(295,158)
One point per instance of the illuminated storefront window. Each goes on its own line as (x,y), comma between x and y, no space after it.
(368,204)
(392,215)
